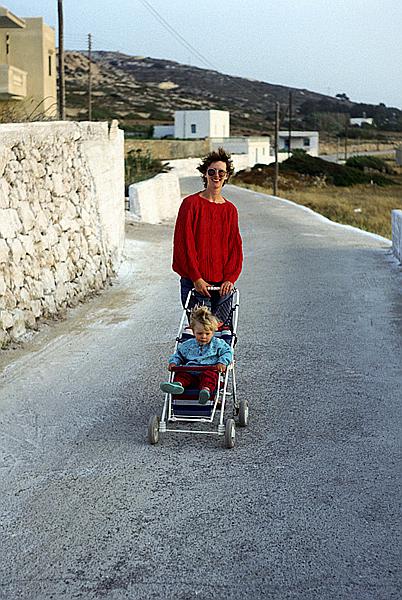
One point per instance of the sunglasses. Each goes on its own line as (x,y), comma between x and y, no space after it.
(221,173)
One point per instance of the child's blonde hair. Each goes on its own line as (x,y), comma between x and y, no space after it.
(203,316)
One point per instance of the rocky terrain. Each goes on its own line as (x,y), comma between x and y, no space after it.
(142,92)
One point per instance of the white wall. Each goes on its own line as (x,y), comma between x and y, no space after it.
(207,123)
(257,149)
(397,234)
(61,217)
(154,200)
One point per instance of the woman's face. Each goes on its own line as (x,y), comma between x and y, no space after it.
(216,176)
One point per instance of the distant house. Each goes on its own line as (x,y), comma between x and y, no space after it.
(27,63)
(257,148)
(304,140)
(196,124)
(359,121)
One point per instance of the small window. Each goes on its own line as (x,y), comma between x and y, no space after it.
(306,141)
(193,128)
(49,62)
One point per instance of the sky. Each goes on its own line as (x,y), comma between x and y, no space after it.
(328,46)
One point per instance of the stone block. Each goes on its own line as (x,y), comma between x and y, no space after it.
(18,329)
(17,250)
(27,216)
(4,194)
(4,251)
(6,319)
(48,281)
(36,308)
(10,223)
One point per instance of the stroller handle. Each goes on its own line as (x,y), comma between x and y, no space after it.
(194,368)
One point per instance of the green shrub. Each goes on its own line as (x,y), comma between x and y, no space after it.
(339,175)
(363,163)
(139,166)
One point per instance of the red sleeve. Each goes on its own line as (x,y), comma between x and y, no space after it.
(234,263)
(185,259)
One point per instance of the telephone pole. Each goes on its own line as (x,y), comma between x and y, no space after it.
(275,185)
(62,89)
(89,78)
(290,125)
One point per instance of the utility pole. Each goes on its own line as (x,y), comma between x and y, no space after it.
(89,78)
(290,125)
(62,89)
(346,139)
(275,185)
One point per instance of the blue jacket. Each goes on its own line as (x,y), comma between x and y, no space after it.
(192,353)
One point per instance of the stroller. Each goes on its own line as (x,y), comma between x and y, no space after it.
(184,409)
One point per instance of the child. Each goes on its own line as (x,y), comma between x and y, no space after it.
(204,349)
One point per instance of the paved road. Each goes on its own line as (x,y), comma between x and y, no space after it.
(306,504)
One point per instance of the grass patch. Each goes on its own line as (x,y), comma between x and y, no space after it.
(365,206)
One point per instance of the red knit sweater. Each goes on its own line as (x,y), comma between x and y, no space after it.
(207,241)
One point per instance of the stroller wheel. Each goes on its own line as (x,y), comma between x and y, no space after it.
(243,413)
(230,433)
(153,430)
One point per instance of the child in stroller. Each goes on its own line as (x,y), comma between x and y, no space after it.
(204,349)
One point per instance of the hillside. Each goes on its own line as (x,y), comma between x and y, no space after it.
(142,92)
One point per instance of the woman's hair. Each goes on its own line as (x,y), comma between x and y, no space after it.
(215,156)
(203,316)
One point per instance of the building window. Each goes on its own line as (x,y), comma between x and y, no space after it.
(193,128)
(286,143)
(306,141)
(49,62)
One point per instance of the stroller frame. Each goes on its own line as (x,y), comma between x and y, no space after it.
(226,388)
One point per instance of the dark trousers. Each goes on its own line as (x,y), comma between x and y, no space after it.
(219,305)
(201,380)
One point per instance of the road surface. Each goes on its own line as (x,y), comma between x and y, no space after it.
(306,506)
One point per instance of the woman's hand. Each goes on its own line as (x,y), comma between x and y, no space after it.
(221,368)
(201,287)
(226,288)
(171,365)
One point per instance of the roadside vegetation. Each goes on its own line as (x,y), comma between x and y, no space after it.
(139,165)
(361,193)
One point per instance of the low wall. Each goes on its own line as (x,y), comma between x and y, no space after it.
(397,234)
(169,149)
(156,199)
(61,217)
(159,198)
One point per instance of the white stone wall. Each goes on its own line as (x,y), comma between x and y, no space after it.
(157,199)
(397,234)
(61,217)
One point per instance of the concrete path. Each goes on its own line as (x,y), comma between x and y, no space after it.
(306,506)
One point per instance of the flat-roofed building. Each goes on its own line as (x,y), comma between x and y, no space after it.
(27,64)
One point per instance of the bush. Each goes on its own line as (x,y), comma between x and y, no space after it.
(338,175)
(139,166)
(373,163)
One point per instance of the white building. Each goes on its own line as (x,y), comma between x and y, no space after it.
(303,140)
(196,124)
(358,121)
(257,148)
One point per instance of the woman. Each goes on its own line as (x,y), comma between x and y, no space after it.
(207,246)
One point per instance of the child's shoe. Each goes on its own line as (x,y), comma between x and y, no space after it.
(204,396)
(171,387)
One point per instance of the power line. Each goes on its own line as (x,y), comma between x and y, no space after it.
(177,35)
